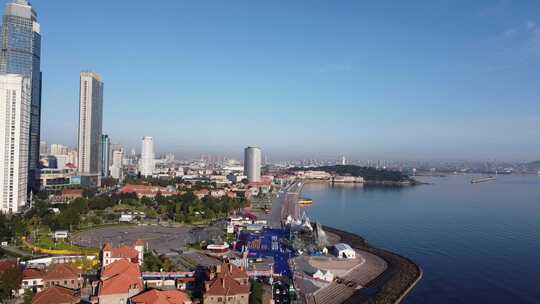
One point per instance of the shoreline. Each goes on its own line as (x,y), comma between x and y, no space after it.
(370,183)
(391,286)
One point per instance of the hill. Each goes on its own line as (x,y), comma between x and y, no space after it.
(368,173)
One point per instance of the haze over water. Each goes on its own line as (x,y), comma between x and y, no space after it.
(476,243)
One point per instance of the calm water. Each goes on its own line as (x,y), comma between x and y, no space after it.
(476,243)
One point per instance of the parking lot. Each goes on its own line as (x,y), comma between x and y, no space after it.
(158,238)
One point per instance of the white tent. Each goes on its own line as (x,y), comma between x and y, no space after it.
(344,251)
(322,275)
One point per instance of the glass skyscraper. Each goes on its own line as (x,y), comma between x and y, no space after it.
(21,54)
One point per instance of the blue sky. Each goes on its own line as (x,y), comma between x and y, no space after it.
(380,79)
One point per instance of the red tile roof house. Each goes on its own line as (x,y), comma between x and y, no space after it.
(119,281)
(63,275)
(134,254)
(57,295)
(146,190)
(229,284)
(71,194)
(181,280)
(200,194)
(32,279)
(155,296)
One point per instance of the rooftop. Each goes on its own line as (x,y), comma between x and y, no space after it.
(56,295)
(120,266)
(62,271)
(161,297)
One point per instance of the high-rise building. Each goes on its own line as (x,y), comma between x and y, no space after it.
(57,149)
(147,161)
(105,152)
(114,147)
(21,54)
(252,164)
(43,148)
(15,100)
(73,156)
(117,164)
(90,123)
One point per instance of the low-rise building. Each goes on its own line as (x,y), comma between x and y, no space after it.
(63,275)
(147,190)
(119,281)
(57,295)
(32,279)
(71,194)
(170,280)
(134,254)
(228,284)
(155,296)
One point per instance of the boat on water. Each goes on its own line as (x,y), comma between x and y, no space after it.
(305,202)
(482,179)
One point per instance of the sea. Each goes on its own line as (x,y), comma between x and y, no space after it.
(476,243)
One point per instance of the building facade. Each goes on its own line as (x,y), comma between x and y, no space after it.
(90,123)
(117,164)
(105,152)
(63,275)
(15,99)
(252,164)
(229,284)
(21,54)
(43,148)
(57,149)
(147,161)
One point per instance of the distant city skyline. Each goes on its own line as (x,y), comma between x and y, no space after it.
(365,80)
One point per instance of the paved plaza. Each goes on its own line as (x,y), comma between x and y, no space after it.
(159,238)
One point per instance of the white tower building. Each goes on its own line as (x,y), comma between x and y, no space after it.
(90,123)
(252,164)
(15,98)
(147,161)
(117,165)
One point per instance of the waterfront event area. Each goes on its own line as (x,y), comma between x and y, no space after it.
(476,243)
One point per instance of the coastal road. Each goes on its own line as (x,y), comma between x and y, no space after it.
(285,204)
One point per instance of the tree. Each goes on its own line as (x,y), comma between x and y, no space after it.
(89,192)
(256,295)
(10,281)
(151,262)
(28,296)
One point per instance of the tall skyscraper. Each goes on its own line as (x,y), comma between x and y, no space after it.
(21,54)
(117,164)
(105,152)
(73,157)
(147,161)
(15,100)
(252,164)
(114,147)
(57,149)
(90,123)
(43,148)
